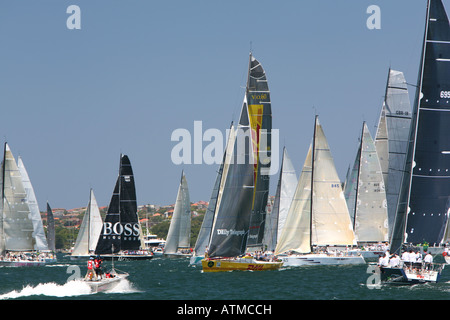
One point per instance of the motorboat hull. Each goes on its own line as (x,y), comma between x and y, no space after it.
(105,284)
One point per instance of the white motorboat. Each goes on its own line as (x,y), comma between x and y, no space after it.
(107,282)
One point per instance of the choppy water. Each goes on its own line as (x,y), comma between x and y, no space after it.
(174,279)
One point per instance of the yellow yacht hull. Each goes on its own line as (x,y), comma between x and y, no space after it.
(241,264)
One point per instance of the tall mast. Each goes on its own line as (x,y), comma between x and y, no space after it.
(313,155)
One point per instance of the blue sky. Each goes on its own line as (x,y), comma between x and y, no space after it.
(73,100)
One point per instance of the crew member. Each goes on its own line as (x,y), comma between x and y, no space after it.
(90,272)
(98,266)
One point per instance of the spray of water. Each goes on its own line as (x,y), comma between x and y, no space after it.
(69,289)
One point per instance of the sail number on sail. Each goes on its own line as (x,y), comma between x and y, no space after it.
(445,94)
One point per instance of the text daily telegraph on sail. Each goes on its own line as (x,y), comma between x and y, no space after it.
(231,232)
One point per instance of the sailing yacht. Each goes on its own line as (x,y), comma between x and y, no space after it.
(318,229)
(90,230)
(121,234)
(17,229)
(239,214)
(423,207)
(179,234)
(366,198)
(422,213)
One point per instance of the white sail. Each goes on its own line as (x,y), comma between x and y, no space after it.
(331,223)
(17,225)
(39,233)
(287,183)
(296,233)
(179,232)
(371,224)
(318,215)
(90,229)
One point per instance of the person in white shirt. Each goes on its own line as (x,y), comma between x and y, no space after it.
(405,256)
(412,256)
(383,261)
(418,256)
(394,261)
(428,261)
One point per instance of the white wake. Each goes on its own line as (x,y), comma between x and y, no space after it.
(69,289)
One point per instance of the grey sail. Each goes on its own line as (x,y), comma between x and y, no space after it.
(178,236)
(287,184)
(392,138)
(39,233)
(422,210)
(204,235)
(370,207)
(51,235)
(17,231)
(90,229)
(232,216)
(351,185)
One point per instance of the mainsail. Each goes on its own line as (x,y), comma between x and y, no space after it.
(90,229)
(121,229)
(39,233)
(366,193)
(235,198)
(392,137)
(240,213)
(179,234)
(260,121)
(51,232)
(426,183)
(287,184)
(17,226)
(204,234)
(318,215)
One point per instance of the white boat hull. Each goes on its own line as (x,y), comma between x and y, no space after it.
(177,255)
(105,284)
(368,254)
(415,274)
(196,260)
(319,259)
(22,263)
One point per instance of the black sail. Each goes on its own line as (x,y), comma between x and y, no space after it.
(232,216)
(239,219)
(426,183)
(121,230)
(260,116)
(50,229)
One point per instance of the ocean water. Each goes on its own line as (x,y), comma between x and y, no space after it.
(175,280)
